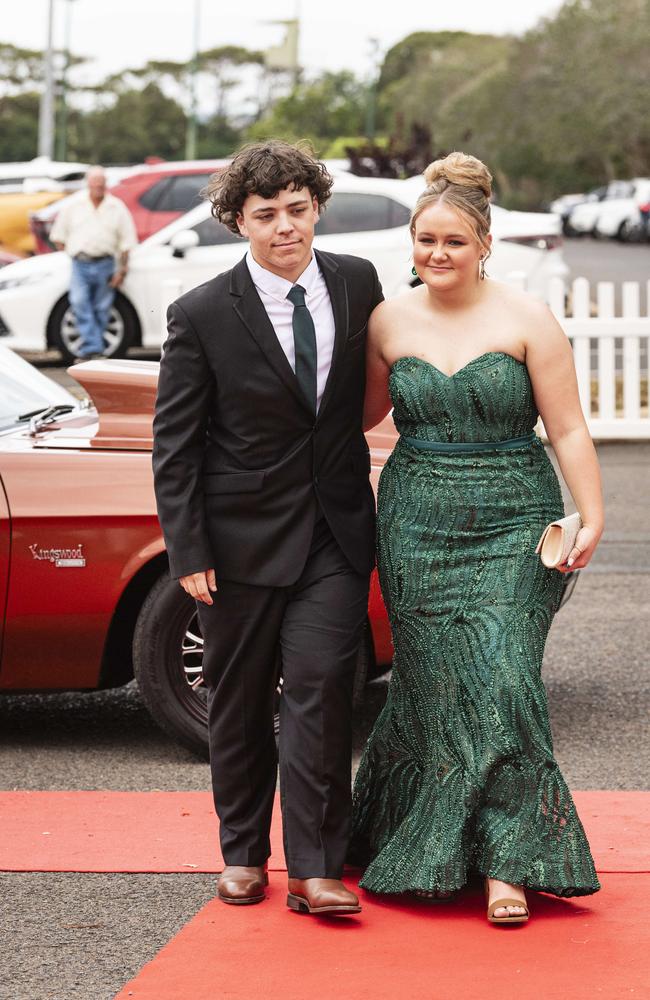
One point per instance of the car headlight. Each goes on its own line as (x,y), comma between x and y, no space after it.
(24,279)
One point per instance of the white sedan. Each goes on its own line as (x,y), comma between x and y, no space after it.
(365,216)
(584,218)
(621,217)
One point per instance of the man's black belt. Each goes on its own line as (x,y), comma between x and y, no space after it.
(86,258)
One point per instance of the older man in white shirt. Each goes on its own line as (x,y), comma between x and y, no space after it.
(97,231)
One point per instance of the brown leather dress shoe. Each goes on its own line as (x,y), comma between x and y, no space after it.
(241,886)
(321,895)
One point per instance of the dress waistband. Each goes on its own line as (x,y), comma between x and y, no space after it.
(461,446)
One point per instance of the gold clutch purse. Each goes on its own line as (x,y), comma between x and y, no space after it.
(558,538)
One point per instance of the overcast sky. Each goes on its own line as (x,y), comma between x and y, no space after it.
(334,33)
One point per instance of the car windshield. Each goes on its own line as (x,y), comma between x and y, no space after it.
(18,400)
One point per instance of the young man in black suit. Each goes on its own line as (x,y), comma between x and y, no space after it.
(261,477)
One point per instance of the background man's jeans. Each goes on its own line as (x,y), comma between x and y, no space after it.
(91,298)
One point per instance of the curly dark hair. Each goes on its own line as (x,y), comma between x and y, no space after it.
(265,168)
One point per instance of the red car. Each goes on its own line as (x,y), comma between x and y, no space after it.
(155,194)
(86,600)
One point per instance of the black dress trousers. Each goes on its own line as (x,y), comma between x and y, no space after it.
(311,631)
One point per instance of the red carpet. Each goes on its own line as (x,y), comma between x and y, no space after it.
(594,948)
(176,831)
(585,949)
(113,832)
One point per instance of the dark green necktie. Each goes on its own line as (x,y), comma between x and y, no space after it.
(304,339)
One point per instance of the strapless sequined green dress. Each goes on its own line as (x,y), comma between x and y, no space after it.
(459,773)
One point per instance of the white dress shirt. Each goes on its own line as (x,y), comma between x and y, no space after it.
(105,230)
(273,290)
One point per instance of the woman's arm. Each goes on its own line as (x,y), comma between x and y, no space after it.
(377,400)
(549,359)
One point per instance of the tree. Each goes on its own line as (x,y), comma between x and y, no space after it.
(571,108)
(19,126)
(582,90)
(223,67)
(20,68)
(423,73)
(218,137)
(20,71)
(140,123)
(321,110)
(562,108)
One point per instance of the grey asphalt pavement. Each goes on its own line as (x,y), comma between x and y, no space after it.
(609,260)
(81,937)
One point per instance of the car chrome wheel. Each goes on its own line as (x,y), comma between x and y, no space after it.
(113,334)
(192,660)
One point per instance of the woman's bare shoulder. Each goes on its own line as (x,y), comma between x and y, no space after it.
(525,311)
(533,320)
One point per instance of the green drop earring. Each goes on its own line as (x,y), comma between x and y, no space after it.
(414,272)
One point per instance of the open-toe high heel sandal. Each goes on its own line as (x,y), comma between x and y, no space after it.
(510,918)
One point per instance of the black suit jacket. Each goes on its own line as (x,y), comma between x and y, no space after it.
(239,459)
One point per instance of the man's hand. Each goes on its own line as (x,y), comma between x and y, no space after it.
(199,585)
(118,278)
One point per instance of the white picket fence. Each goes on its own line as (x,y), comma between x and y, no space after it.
(598,362)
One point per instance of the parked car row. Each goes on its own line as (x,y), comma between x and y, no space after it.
(155,195)
(619,210)
(365,216)
(30,175)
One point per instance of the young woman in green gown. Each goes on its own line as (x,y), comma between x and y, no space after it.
(459,773)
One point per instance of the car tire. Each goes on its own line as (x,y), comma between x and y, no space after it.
(629,232)
(167,663)
(122,331)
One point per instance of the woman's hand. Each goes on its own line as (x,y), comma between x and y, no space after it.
(585,545)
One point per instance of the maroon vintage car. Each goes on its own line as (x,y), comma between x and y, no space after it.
(86,600)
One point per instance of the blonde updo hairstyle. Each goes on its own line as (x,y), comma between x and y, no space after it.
(465,183)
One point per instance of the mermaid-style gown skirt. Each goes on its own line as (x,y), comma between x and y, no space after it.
(459,773)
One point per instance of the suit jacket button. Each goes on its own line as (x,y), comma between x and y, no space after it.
(315,480)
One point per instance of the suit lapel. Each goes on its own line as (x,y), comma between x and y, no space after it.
(251,311)
(338,293)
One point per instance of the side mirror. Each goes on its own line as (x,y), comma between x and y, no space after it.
(182,241)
